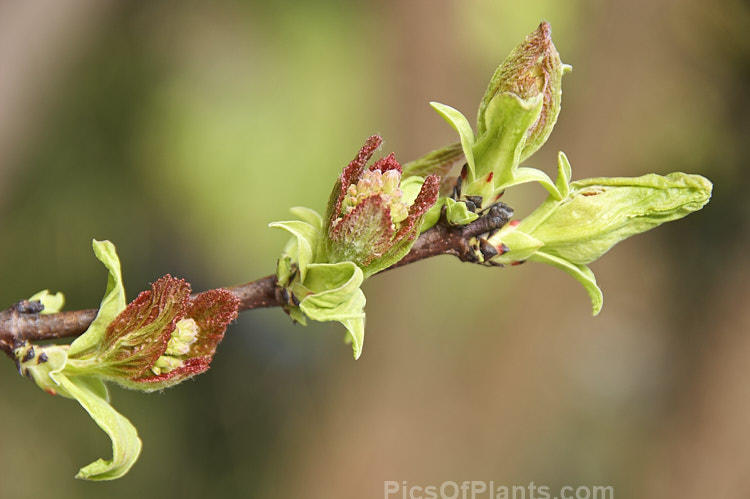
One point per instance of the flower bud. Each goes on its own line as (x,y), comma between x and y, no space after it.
(533,71)
(516,115)
(374,215)
(600,212)
(161,338)
(370,220)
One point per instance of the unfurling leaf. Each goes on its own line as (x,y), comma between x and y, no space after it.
(161,338)
(158,340)
(600,212)
(91,393)
(372,220)
(594,215)
(516,116)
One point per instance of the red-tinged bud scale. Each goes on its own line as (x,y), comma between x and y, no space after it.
(369,223)
(163,336)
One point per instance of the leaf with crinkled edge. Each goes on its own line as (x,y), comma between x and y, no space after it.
(333,287)
(336,296)
(307,237)
(459,122)
(581,273)
(90,392)
(112,303)
(52,303)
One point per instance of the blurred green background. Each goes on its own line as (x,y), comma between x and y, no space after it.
(179,130)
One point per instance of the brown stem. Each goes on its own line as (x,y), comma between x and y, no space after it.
(23,322)
(262,293)
(446,239)
(18,324)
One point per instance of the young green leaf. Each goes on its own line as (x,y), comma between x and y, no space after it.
(462,126)
(600,212)
(112,304)
(307,238)
(335,295)
(581,273)
(91,393)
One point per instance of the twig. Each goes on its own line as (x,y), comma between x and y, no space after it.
(462,241)
(23,322)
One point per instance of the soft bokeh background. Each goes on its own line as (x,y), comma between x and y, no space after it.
(179,130)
